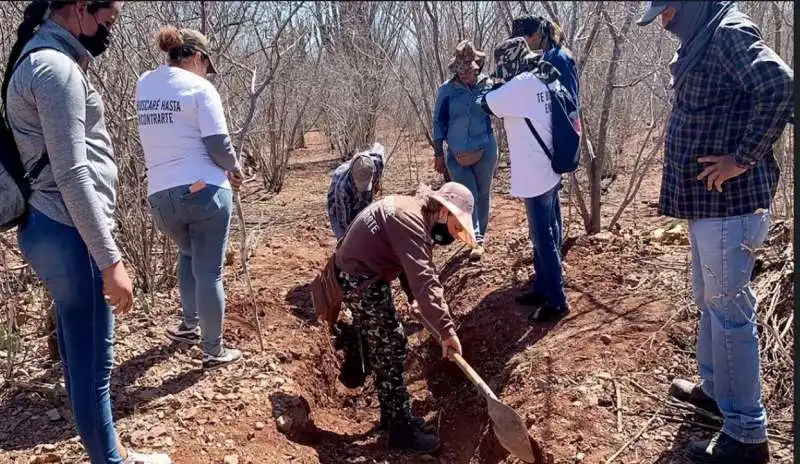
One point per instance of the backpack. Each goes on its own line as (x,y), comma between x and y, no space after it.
(566,123)
(15,183)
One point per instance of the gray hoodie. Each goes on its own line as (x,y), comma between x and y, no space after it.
(52,107)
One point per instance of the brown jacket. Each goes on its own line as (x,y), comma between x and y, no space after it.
(391,236)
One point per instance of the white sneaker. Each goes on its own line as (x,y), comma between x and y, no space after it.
(146,458)
(227,356)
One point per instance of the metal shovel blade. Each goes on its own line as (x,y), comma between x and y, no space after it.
(508,427)
(510,430)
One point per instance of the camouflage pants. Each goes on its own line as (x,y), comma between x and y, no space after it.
(374,314)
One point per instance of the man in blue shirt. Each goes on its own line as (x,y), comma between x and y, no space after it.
(732,99)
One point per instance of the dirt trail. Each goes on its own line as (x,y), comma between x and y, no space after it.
(562,378)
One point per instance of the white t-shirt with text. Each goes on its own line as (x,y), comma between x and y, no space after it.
(176,109)
(525,96)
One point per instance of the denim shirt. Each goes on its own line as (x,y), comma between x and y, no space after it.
(458,117)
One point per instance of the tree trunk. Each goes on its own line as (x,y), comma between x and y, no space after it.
(597,163)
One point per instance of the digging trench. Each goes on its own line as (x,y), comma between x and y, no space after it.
(316,410)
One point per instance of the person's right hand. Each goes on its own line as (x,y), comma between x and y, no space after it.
(450,345)
(236,178)
(117,287)
(438,164)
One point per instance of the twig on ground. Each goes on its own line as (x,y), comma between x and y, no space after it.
(619,404)
(681,419)
(645,391)
(246,269)
(635,437)
(694,409)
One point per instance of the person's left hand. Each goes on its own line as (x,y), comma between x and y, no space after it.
(719,169)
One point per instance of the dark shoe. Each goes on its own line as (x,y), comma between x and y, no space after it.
(407,437)
(722,449)
(530,299)
(548,313)
(691,393)
(225,357)
(184,334)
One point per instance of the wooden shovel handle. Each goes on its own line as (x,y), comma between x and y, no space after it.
(463,365)
(473,376)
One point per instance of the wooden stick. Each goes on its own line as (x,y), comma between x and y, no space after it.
(635,437)
(619,405)
(240,213)
(645,391)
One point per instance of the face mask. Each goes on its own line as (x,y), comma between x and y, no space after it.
(441,234)
(97,43)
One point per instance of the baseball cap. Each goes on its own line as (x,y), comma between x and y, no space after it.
(511,57)
(459,201)
(363,170)
(654,9)
(196,39)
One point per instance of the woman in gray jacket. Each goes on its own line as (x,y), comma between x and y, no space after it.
(56,118)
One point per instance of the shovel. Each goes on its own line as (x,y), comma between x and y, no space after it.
(508,427)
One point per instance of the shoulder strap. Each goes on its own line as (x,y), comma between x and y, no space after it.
(539,139)
(43,160)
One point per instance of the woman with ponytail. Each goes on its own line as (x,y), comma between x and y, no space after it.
(56,118)
(191,168)
(545,35)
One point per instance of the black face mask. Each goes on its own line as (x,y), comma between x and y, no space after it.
(97,43)
(441,235)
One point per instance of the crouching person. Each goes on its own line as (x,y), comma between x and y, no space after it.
(354,184)
(392,236)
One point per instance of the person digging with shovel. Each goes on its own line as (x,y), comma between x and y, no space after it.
(392,236)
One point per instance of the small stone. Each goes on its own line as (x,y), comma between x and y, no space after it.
(580,457)
(48,447)
(284,424)
(230,443)
(259,426)
(231,459)
(53,415)
(157,431)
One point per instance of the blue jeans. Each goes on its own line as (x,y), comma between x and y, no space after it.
(727,343)
(198,223)
(84,326)
(478,179)
(545,229)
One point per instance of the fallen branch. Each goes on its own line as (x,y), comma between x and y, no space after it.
(636,437)
(246,270)
(645,391)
